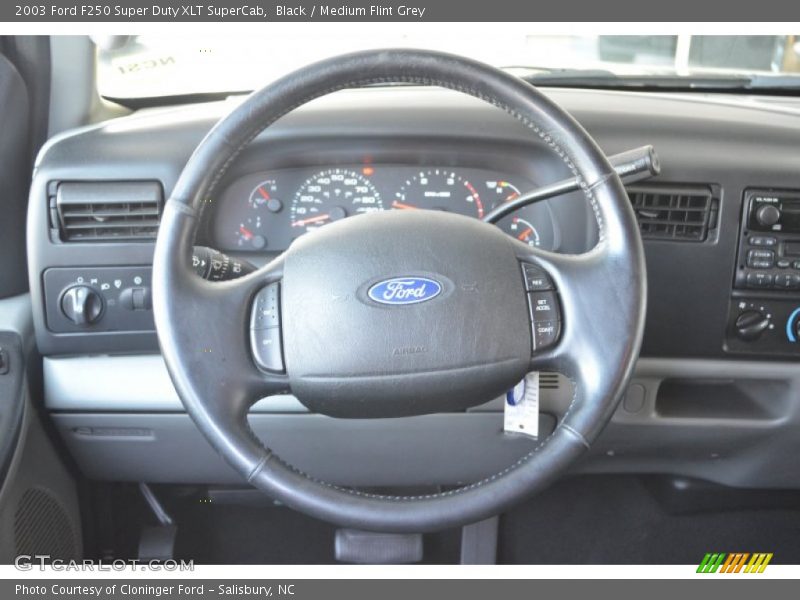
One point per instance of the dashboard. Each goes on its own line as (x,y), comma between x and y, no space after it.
(713,396)
(267,210)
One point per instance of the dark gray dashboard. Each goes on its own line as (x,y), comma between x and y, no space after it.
(703,402)
(726,143)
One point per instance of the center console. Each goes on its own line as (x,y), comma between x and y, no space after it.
(764,312)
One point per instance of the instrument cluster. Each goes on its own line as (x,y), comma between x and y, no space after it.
(266,211)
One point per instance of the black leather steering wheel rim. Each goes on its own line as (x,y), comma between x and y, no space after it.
(603,300)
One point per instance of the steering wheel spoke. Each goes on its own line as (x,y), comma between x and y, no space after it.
(221,334)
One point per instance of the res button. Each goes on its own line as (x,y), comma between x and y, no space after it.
(536,278)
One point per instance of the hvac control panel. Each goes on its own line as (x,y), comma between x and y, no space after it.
(764,312)
(98,299)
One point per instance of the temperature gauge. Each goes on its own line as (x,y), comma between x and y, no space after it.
(265,195)
(503,192)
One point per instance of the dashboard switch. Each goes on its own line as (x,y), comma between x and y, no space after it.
(751,324)
(82,305)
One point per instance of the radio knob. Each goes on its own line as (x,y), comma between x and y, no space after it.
(82,305)
(768,215)
(751,324)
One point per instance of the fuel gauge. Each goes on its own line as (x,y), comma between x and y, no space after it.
(249,235)
(523,230)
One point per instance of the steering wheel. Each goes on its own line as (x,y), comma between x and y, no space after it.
(401,313)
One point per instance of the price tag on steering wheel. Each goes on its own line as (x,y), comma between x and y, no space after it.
(522,407)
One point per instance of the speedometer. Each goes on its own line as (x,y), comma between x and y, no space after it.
(440,189)
(331,195)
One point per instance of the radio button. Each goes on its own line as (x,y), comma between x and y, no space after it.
(760,259)
(768,215)
(759,263)
(782,263)
(760,254)
(787,281)
(796,264)
(761,240)
(759,280)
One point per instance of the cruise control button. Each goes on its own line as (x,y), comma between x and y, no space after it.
(266,345)
(536,278)
(545,334)
(544,306)
(266,308)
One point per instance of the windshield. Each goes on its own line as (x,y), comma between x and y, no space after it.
(160,66)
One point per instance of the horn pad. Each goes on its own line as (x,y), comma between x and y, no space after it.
(402,313)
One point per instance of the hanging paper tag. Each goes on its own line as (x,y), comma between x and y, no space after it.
(522,407)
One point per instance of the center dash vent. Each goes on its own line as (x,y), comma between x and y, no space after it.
(685,213)
(106,211)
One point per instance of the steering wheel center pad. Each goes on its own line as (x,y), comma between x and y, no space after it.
(402,353)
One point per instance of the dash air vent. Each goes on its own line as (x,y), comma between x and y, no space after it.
(685,213)
(106,211)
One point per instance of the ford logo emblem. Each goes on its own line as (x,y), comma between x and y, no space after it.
(405,290)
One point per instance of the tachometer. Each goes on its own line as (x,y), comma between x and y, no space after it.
(439,189)
(331,195)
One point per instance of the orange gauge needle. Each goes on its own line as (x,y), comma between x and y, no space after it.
(245,232)
(264,194)
(525,234)
(513,196)
(310,220)
(397,204)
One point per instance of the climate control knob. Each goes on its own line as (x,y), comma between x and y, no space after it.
(750,324)
(82,305)
(768,215)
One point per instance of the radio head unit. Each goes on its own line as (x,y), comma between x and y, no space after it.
(769,241)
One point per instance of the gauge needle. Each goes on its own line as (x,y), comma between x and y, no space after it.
(310,220)
(513,196)
(263,193)
(525,234)
(245,232)
(397,204)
